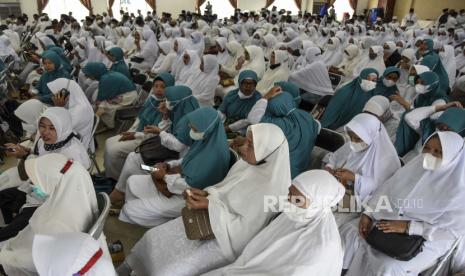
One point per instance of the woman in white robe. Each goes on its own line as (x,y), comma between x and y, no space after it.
(69,205)
(198,42)
(180,45)
(235,51)
(333,52)
(222,54)
(235,208)
(313,77)
(149,51)
(448,60)
(190,65)
(126,40)
(425,198)
(304,240)
(165,58)
(348,64)
(373,59)
(254,60)
(365,162)
(269,41)
(277,71)
(82,113)
(68,253)
(204,81)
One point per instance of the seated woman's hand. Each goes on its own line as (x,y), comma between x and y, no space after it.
(393,226)
(160,172)
(238,142)
(273,92)
(127,136)
(16,150)
(364,226)
(344,176)
(398,98)
(152,129)
(162,108)
(196,199)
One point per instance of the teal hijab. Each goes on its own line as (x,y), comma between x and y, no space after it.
(434,63)
(406,137)
(111,84)
(182,102)
(64,60)
(44,93)
(347,102)
(119,65)
(207,161)
(453,117)
(149,114)
(236,108)
(292,89)
(299,127)
(383,90)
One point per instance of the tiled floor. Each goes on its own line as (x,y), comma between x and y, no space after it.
(114,229)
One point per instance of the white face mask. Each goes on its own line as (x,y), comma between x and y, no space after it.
(358,147)
(367,85)
(169,106)
(295,213)
(431,162)
(421,89)
(196,135)
(388,83)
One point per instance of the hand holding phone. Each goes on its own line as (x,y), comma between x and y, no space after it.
(148,168)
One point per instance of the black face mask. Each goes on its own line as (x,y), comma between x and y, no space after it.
(274,66)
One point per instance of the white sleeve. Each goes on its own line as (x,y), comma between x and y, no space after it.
(363,186)
(436,115)
(238,125)
(257,111)
(431,232)
(176,184)
(414,117)
(164,124)
(171,142)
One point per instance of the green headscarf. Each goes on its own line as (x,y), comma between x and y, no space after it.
(430,79)
(119,65)
(292,89)
(182,102)
(236,108)
(434,63)
(111,84)
(299,127)
(44,93)
(207,161)
(453,117)
(149,114)
(64,60)
(347,102)
(383,90)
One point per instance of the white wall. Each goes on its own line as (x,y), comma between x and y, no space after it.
(174,6)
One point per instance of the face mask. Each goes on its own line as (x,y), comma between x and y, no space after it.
(431,162)
(367,85)
(411,80)
(169,106)
(420,89)
(295,213)
(39,193)
(156,98)
(196,135)
(358,147)
(388,83)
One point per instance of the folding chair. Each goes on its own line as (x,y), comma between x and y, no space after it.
(442,267)
(91,147)
(103,202)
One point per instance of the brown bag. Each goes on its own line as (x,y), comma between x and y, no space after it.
(197,224)
(152,151)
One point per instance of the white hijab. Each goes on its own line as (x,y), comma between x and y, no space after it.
(366,62)
(281,73)
(165,59)
(375,164)
(236,204)
(203,83)
(67,253)
(198,42)
(442,192)
(62,122)
(29,112)
(313,77)
(332,57)
(235,51)
(82,113)
(71,206)
(350,61)
(183,45)
(256,62)
(150,50)
(287,247)
(187,70)
(448,60)
(223,54)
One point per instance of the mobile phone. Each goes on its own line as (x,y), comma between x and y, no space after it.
(148,168)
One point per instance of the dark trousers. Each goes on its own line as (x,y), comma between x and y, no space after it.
(11,201)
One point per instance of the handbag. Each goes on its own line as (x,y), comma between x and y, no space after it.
(402,247)
(152,151)
(197,224)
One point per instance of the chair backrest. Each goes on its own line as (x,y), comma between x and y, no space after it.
(443,264)
(329,140)
(234,157)
(103,202)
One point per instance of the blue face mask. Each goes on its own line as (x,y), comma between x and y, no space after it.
(39,193)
